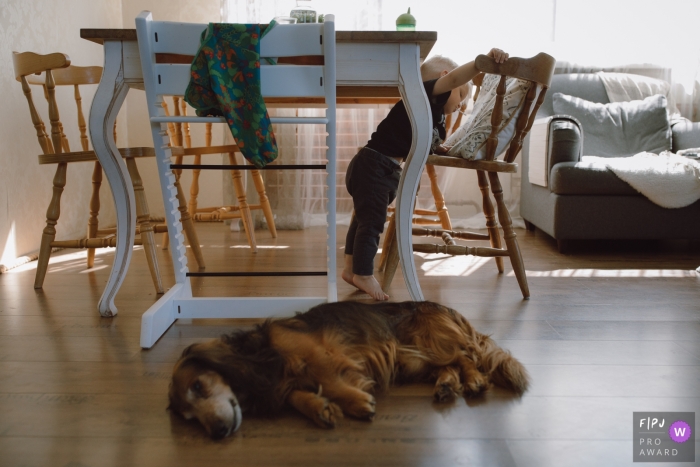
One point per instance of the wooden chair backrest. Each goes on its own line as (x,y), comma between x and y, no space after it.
(538,70)
(451,126)
(49,71)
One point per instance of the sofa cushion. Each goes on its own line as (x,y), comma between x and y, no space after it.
(619,129)
(587,178)
(469,140)
(587,86)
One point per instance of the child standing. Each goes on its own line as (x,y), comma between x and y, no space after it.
(373,174)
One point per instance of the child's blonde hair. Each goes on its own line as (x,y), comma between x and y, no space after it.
(432,67)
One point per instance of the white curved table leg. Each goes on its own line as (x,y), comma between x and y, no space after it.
(108,99)
(411,88)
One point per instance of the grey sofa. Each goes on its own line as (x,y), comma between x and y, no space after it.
(586,202)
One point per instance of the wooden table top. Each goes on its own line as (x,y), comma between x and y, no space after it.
(346,94)
(426,39)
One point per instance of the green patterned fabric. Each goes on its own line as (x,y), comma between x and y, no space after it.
(225,81)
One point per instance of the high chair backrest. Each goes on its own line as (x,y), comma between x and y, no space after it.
(166,40)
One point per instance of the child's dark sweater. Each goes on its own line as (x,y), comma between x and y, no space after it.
(394,135)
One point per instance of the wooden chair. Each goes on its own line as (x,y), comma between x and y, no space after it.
(538,70)
(160,42)
(54,70)
(181,144)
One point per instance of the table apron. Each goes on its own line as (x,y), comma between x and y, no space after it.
(367,64)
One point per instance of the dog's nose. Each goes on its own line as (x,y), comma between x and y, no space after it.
(219,431)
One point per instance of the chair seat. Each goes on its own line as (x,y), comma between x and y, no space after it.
(89,156)
(458,162)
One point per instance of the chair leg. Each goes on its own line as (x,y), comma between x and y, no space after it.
(509,236)
(52,214)
(93,222)
(188,225)
(392,262)
(389,238)
(264,201)
(145,228)
(165,240)
(440,206)
(243,204)
(491,224)
(194,187)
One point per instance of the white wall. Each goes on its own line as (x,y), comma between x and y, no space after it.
(45,26)
(25,187)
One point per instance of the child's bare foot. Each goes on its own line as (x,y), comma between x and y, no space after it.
(369,285)
(347,276)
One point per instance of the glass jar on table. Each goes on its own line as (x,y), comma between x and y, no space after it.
(303,12)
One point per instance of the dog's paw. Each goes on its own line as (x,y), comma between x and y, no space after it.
(363,408)
(444,392)
(328,415)
(477,384)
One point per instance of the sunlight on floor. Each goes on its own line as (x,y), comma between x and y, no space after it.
(62,262)
(608,273)
(262,247)
(439,265)
(75,260)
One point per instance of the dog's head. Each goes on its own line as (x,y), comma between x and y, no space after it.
(199,390)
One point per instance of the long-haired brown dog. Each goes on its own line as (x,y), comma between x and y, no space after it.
(327,362)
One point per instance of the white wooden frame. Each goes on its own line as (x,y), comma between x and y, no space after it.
(283,80)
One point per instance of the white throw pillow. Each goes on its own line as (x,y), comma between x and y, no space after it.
(619,129)
(469,140)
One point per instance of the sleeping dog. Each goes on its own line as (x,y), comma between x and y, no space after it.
(328,361)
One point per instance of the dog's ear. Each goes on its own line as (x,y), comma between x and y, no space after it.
(188,350)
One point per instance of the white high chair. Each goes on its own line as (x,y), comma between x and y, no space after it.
(159,39)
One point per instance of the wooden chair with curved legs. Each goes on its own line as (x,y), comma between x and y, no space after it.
(54,70)
(538,71)
(181,143)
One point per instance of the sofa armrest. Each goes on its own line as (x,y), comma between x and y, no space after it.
(685,135)
(553,140)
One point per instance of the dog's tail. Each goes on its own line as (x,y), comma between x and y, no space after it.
(503,369)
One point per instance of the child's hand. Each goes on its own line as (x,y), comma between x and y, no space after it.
(441,149)
(498,55)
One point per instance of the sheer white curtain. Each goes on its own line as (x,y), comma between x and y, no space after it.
(590,34)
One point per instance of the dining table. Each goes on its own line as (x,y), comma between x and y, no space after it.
(371,67)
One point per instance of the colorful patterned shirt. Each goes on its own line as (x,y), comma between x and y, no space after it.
(225,81)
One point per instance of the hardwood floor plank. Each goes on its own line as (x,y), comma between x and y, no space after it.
(323,450)
(567,352)
(627,330)
(614,380)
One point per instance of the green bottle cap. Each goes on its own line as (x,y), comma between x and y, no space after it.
(406,19)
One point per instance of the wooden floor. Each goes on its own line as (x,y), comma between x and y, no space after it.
(610,329)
